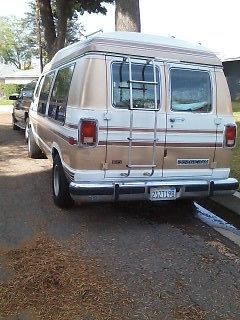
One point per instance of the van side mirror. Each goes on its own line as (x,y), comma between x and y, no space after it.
(14,97)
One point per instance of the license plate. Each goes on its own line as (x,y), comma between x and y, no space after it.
(163,193)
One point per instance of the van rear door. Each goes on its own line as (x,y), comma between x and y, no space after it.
(136,118)
(191,121)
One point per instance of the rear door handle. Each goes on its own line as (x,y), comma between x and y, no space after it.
(176,119)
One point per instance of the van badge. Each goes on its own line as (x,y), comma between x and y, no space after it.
(116,161)
(192,162)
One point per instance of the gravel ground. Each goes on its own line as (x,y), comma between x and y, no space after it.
(162,262)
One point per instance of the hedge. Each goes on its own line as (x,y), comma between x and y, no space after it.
(8,89)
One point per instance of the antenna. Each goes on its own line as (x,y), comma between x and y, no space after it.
(91,34)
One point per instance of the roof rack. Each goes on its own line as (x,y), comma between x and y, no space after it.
(91,34)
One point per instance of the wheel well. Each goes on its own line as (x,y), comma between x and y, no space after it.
(54,152)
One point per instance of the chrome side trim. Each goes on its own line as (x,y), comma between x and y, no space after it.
(71,126)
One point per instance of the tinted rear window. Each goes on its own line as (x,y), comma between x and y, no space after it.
(190,90)
(59,98)
(43,98)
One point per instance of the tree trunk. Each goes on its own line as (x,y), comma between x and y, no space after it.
(127,16)
(39,35)
(62,14)
(48,26)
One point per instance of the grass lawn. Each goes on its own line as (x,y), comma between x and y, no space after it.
(5,102)
(235,163)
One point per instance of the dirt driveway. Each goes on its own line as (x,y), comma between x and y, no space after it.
(104,261)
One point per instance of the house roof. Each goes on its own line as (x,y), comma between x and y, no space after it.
(6,69)
(22,76)
(231,59)
(24,73)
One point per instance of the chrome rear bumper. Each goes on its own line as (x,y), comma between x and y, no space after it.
(140,190)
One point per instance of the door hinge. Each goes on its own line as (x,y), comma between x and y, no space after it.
(213,165)
(107,116)
(104,165)
(217,121)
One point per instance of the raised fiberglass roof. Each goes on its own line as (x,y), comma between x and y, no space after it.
(136,37)
(137,44)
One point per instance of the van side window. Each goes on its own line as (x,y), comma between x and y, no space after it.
(38,87)
(43,98)
(143,93)
(59,97)
(190,90)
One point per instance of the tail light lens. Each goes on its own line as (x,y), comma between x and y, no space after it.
(88,132)
(230,135)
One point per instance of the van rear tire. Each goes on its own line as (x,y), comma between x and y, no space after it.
(34,151)
(60,185)
(26,131)
(14,126)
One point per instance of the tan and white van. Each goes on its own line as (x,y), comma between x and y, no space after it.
(128,116)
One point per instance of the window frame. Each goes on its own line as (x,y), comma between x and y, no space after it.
(51,92)
(38,87)
(159,89)
(194,69)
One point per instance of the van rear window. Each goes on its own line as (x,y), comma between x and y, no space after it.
(43,98)
(190,90)
(58,102)
(143,93)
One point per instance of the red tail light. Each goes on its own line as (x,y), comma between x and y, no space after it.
(88,132)
(230,135)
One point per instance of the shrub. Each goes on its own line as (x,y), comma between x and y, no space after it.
(8,89)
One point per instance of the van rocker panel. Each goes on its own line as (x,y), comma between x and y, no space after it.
(139,190)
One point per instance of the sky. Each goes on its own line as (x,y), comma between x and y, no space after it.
(213,23)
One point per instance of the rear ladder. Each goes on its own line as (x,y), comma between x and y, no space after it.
(153,165)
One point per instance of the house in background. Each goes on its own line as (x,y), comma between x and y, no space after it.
(6,70)
(231,69)
(10,74)
(22,76)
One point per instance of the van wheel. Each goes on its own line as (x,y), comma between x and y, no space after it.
(34,151)
(26,130)
(14,126)
(60,185)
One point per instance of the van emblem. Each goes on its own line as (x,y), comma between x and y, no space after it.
(116,161)
(192,162)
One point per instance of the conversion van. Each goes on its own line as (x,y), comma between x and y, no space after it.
(128,116)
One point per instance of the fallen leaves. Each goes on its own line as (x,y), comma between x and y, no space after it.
(189,313)
(51,282)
